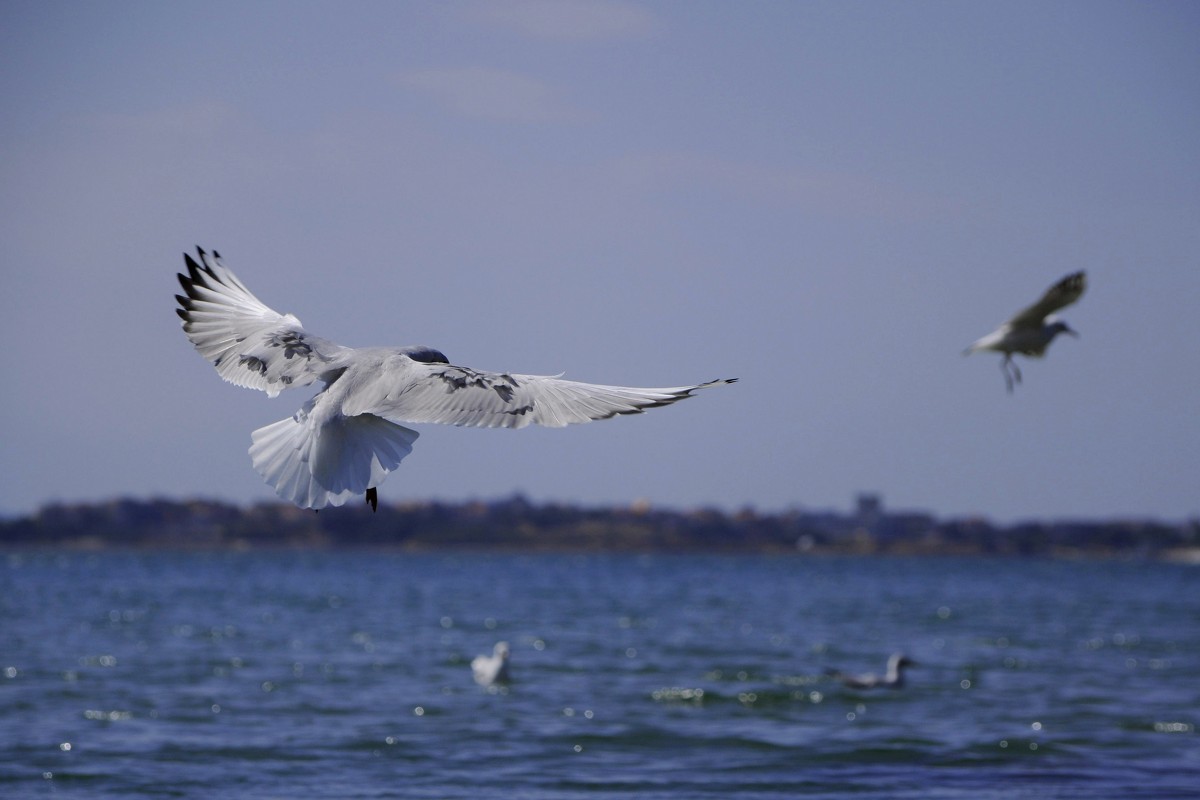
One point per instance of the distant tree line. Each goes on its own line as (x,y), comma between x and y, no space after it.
(517,524)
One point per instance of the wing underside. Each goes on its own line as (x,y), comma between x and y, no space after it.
(1058,296)
(448,394)
(249,343)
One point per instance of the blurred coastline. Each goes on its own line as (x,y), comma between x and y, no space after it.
(516,524)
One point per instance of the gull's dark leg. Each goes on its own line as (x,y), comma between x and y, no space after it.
(373,498)
(1004,365)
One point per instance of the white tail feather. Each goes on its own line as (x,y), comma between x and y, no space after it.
(318,465)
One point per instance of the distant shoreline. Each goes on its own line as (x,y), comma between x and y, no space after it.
(517,525)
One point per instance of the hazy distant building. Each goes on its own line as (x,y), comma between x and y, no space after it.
(868,510)
(872,521)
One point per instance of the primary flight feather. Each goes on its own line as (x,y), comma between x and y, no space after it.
(348,437)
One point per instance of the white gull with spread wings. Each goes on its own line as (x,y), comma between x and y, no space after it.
(348,437)
(1030,331)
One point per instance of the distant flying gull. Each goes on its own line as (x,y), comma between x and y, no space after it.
(1030,332)
(491,669)
(894,678)
(346,438)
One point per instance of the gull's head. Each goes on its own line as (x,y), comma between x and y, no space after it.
(501,650)
(900,660)
(1059,326)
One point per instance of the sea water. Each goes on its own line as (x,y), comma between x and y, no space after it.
(332,674)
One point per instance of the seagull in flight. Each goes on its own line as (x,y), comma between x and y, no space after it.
(893,679)
(346,439)
(1031,331)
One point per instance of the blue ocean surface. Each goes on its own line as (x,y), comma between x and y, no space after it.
(314,674)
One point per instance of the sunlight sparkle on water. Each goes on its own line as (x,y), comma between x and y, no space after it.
(677,693)
(110,716)
(570,712)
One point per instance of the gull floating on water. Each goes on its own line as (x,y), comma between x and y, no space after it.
(1030,332)
(491,669)
(893,679)
(347,438)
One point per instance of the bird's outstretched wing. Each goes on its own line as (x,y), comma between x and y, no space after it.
(249,343)
(407,391)
(1060,295)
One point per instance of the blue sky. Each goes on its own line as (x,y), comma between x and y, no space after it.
(828,201)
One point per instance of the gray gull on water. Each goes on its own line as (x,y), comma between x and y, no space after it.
(893,679)
(347,438)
